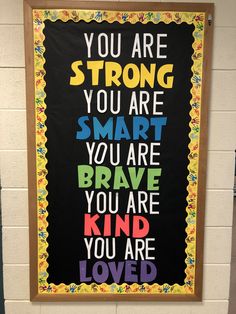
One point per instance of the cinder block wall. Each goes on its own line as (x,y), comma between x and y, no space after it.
(222,142)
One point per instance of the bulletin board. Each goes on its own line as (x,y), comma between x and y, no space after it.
(117,98)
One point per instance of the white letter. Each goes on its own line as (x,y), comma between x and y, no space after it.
(88,99)
(115,163)
(152,204)
(113,45)
(153,154)
(101,198)
(142,201)
(147,257)
(157,103)
(136,46)
(128,250)
(113,110)
(96,248)
(111,256)
(133,107)
(89,199)
(143,101)
(99,107)
(99,148)
(90,151)
(131,204)
(131,155)
(105,53)
(142,154)
(88,246)
(88,43)
(146,45)
(159,46)
(139,249)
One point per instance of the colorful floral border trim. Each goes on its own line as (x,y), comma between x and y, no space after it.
(197,19)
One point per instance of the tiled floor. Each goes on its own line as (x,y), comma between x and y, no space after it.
(232,301)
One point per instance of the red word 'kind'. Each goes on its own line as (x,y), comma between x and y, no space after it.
(140,225)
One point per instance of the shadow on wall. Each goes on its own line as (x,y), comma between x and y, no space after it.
(1,265)
(232,299)
(235,176)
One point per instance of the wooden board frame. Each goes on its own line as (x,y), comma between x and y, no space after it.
(29,5)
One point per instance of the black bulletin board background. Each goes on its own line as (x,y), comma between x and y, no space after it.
(64,43)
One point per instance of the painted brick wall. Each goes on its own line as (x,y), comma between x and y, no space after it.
(222,134)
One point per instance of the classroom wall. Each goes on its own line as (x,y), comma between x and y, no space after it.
(220,173)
